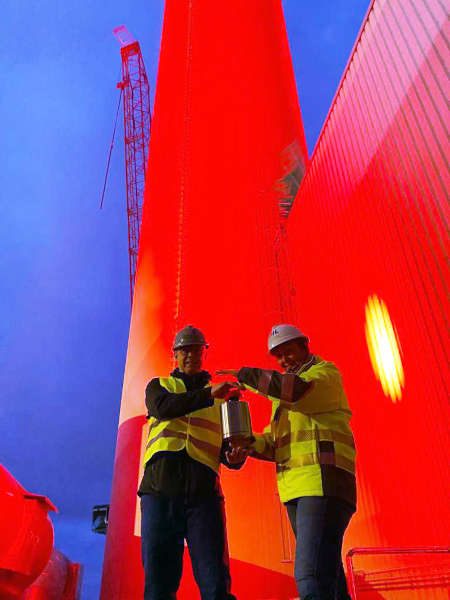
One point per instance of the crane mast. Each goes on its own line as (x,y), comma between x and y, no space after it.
(137,125)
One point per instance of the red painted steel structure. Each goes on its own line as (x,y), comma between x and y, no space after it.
(369,222)
(27,536)
(30,568)
(137,126)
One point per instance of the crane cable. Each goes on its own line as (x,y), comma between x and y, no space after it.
(110,149)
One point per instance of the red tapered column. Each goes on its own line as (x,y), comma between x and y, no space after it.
(227,150)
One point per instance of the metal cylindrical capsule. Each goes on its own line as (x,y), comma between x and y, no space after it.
(236,422)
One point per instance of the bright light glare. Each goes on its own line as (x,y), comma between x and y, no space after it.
(384,348)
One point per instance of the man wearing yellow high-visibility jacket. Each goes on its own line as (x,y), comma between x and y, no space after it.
(180,490)
(310,440)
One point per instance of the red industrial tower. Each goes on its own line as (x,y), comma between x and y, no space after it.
(137,125)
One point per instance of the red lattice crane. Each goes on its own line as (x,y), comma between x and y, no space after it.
(137,124)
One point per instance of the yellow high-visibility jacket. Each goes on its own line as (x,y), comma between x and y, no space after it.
(309,436)
(198,432)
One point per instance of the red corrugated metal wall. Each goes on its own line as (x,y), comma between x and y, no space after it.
(370,220)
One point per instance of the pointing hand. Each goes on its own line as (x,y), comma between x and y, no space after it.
(232,372)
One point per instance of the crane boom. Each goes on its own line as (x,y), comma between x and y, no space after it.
(137,126)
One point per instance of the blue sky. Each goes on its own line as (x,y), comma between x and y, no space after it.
(64,300)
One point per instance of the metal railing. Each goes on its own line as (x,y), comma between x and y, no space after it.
(417,569)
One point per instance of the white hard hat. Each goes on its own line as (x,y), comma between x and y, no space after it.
(284,333)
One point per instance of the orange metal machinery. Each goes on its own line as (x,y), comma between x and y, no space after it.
(30,568)
(226,156)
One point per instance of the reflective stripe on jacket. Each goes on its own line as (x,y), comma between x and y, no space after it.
(310,438)
(198,432)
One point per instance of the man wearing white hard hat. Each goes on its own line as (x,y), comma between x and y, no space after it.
(310,440)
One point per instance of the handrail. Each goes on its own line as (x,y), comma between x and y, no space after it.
(399,583)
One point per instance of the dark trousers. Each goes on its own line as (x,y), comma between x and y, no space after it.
(319,524)
(166,523)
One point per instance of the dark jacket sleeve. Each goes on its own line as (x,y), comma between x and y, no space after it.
(287,387)
(164,405)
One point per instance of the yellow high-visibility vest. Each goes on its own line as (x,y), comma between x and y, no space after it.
(305,435)
(198,432)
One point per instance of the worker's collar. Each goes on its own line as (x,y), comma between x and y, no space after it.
(310,361)
(198,380)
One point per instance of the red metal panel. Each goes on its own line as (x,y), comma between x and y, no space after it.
(372,212)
